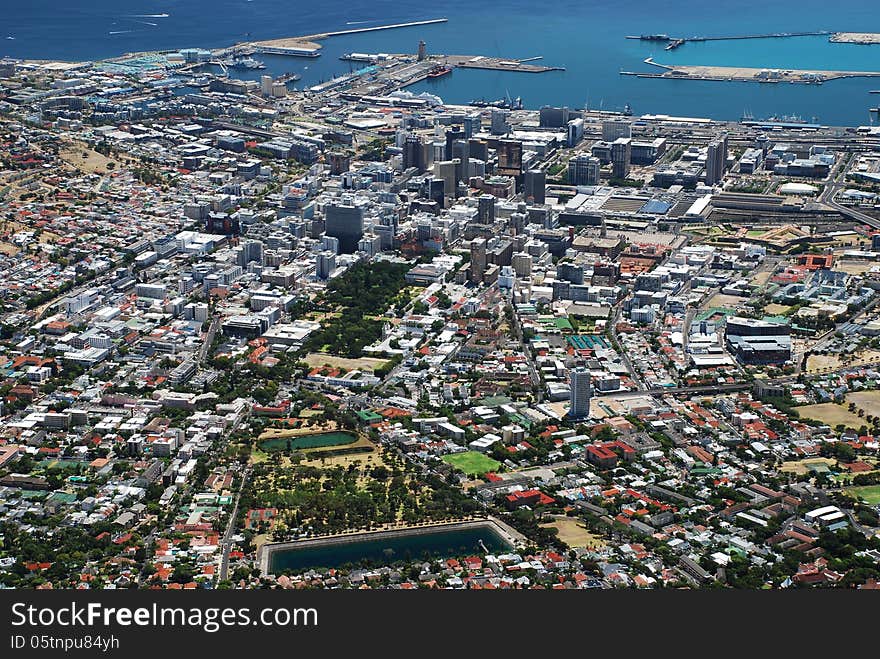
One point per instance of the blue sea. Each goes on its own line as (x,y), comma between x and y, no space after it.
(585,36)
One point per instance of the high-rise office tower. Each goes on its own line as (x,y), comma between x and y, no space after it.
(486,209)
(580,393)
(325,264)
(345,221)
(534,185)
(499,124)
(478,259)
(413,153)
(446,169)
(716,160)
(621,150)
(461,152)
(472,125)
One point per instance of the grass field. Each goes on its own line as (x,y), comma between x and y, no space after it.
(574,533)
(471,462)
(868,493)
(866,400)
(776,309)
(831,414)
(315,360)
(801,467)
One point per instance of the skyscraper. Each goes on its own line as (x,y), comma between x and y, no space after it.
(478,259)
(325,263)
(499,124)
(510,157)
(413,153)
(446,170)
(472,125)
(621,149)
(716,160)
(486,209)
(534,185)
(580,393)
(345,221)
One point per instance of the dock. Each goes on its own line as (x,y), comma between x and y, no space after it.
(499,64)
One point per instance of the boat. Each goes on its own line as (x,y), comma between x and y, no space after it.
(246,63)
(874,91)
(627,110)
(439,71)
(874,110)
(655,37)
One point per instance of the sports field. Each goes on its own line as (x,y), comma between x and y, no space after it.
(868,493)
(471,462)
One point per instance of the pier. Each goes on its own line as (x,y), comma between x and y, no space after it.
(307,46)
(375,28)
(676,42)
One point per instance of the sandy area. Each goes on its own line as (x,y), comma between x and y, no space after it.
(853,267)
(776,309)
(289,42)
(724,301)
(85,159)
(759,75)
(855,37)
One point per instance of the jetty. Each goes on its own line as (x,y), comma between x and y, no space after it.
(308,46)
(676,42)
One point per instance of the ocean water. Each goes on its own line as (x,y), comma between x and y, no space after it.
(585,36)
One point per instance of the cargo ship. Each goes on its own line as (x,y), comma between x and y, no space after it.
(246,63)
(439,71)
(652,37)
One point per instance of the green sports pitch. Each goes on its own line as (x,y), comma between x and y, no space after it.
(471,462)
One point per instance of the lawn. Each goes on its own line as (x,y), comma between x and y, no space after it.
(573,533)
(868,493)
(315,360)
(831,414)
(471,462)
